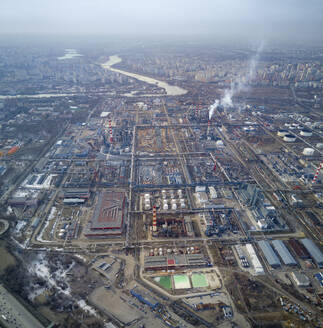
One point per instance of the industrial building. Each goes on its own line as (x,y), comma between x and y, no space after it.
(284,253)
(175,262)
(73,201)
(254,259)
(144,297)
(269,253)
(300,279)
(314,251)
(76,193)
(242,257)
(108,216)
(298,248)
(319,277)
(251,195)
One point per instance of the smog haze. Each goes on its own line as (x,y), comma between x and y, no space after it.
(231,19)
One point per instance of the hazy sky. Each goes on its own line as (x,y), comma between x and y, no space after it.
(271,19)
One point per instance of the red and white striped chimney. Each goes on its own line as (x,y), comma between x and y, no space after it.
(110,131)
(317,172)
(154,219)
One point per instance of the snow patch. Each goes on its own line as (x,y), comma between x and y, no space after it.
(50,217)
(86,307)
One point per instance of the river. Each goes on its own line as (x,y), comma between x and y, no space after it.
(171,90)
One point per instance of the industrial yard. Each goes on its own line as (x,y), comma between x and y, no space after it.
(134,202)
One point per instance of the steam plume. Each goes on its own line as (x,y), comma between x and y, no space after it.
(241,84)
(213,107)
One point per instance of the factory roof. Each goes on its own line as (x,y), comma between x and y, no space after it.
(300,279)
(108,213)
(298,248)
(269,253)
(314,251)
(73,200)
(104,114)
(174,260)
(144,297)
(319,277)
(283,252)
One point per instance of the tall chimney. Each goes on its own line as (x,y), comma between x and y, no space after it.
(110,131)
(154,219)
(317,172)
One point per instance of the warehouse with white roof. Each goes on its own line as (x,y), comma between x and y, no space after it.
(284,253)
(269,253)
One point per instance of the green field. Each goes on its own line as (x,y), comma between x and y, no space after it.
(181,282)
(199,280)
(164,281)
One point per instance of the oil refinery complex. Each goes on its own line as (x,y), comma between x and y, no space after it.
(190,212)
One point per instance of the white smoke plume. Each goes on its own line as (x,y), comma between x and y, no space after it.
(213,107)
(241,83)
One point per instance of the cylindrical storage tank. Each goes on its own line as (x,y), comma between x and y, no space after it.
(319,145)
(179,192)
(174,207)
(289,138)
(306,133)
(308,151)
(173,201)
(282,133)
(183,205)
(165,207)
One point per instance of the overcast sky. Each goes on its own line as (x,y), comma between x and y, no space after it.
(271,19)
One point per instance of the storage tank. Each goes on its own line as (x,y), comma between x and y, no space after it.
(289,138)
(319,145)
(219,143)
(174,207)
(308,151)
(306,133)
(282,133)
(165,207)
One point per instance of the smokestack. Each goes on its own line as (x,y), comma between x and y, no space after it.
(208,127)
(317,172)
(110,131)
(154,219)
(214,167)
(196,110)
